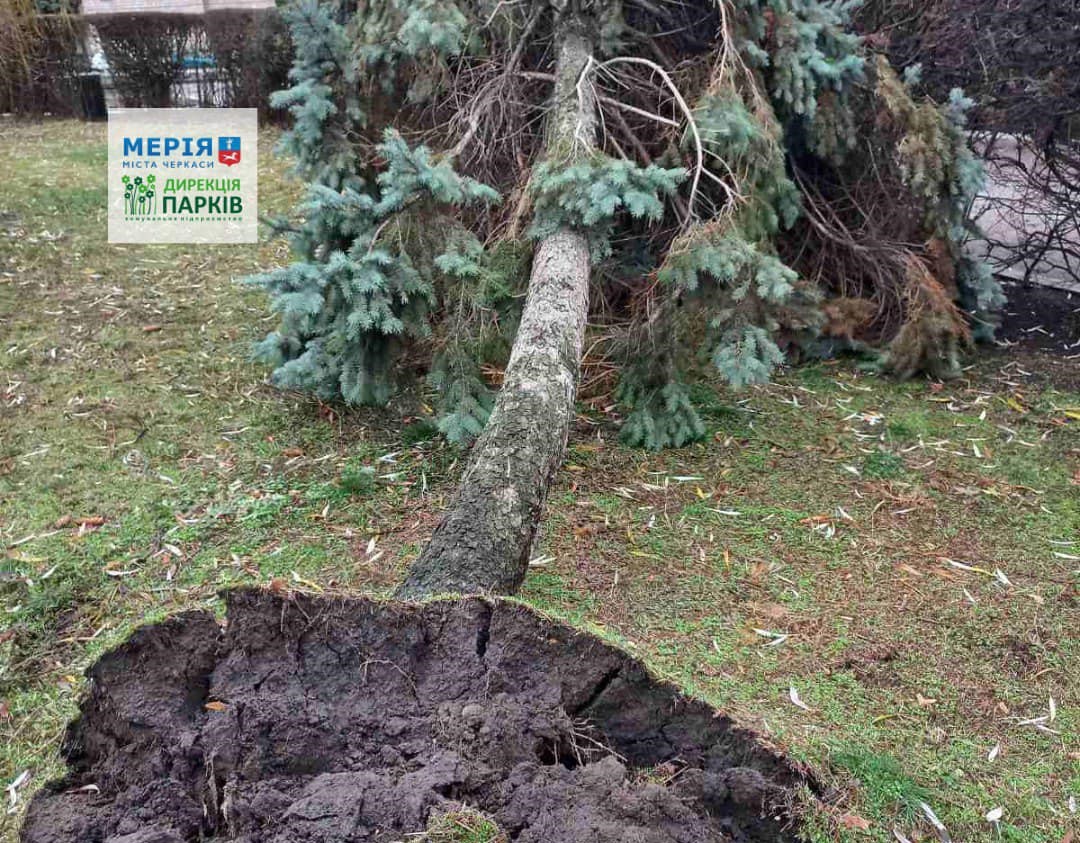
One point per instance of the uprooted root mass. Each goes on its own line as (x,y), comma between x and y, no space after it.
(329,721)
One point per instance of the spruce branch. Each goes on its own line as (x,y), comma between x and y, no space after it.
(688,116)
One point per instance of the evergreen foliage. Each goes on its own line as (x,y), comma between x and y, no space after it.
(939,168)
(322,100)
(661,415)
(344,312)
(465,401)
(589,195)
(732,223)
(747,355)
(738,140)
(729,263)
(812,51)
(478,281)
(1019,62)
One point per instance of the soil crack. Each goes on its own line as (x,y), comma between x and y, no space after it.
(483,632)
(598,691)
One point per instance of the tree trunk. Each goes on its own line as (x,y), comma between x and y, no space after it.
(484,540)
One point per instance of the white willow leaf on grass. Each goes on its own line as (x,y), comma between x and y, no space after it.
(793,695)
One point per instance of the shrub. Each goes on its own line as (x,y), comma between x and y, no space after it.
(40,58)
(253,52)
(146,55)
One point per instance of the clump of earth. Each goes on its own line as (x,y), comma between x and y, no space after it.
(312,720)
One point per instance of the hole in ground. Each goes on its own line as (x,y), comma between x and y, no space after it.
(386,739)
(558,752)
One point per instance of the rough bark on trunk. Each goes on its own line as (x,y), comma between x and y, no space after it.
(484,540)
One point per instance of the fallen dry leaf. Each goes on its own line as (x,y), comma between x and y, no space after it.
(216,706)
(793,695)
(938,825)
(854,821)
(279,586)
(772,611)
(1015,404)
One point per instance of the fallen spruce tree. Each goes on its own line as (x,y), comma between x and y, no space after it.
(723,183)
(734,181)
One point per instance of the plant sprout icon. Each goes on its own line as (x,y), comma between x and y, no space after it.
(139,195)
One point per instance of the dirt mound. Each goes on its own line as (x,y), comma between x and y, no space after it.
(329,721)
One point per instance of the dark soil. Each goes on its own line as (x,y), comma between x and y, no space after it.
(1039,337)
(1044,318)
(331,721)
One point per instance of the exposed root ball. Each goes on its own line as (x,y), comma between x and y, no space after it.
(329,721)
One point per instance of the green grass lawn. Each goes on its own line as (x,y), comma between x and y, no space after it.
(903,559)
